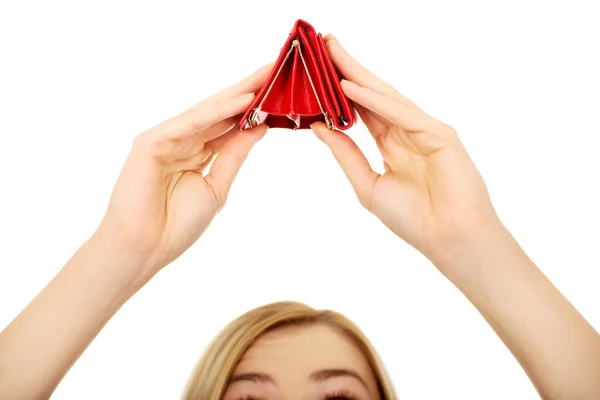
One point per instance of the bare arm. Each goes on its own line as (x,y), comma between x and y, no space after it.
(45,340)
(558,349)
(432,196)
(161,203)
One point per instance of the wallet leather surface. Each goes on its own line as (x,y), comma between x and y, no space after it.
(303,87)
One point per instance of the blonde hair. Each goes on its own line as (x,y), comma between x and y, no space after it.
(213,372)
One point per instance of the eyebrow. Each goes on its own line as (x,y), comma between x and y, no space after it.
(317,376)
(252,377)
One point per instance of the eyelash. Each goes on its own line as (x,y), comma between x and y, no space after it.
(341,395)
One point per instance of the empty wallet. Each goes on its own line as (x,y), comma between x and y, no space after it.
(303,87)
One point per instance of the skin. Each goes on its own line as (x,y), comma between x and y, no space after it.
(308,363)
(431,196)
(162,202)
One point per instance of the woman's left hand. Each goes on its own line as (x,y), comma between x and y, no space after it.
(431,194)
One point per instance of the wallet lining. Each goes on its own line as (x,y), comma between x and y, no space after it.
(257,116)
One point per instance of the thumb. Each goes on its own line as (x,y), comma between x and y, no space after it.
(355,165)
(230,159)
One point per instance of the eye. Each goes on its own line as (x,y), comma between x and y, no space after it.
(249,398)
(341,395)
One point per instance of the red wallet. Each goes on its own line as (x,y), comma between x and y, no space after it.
(303,87)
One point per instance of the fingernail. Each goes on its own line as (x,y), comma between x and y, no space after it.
(348,83)
(331,36)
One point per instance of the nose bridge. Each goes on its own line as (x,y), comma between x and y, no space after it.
(300,395)
(297,389)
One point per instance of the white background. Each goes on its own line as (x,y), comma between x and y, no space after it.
(78,80)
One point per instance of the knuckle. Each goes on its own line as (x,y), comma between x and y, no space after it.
(364,196)
(147,143)
(450,133)
(222,202)
(448,129)
(364,201)
(215,194)
(220,199)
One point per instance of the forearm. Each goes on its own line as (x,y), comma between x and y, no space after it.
(555,345)
(44,341)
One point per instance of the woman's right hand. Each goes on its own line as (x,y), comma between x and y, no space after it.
(431,194)
(163,200)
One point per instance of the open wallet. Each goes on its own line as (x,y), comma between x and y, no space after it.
(303,87)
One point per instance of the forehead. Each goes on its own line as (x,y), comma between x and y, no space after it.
(292,354)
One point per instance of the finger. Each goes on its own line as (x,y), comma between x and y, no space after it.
(202,167)
(355,165)
(200,159)
(329,37)
(250,84)
(231,101)
(216,145)
(230,159)
(354,71)
(220,128)
(222,131)
(376,124)
(197,119)
(219,142)
(399,113)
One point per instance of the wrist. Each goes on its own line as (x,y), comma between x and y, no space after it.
(126,269)
(484,248)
